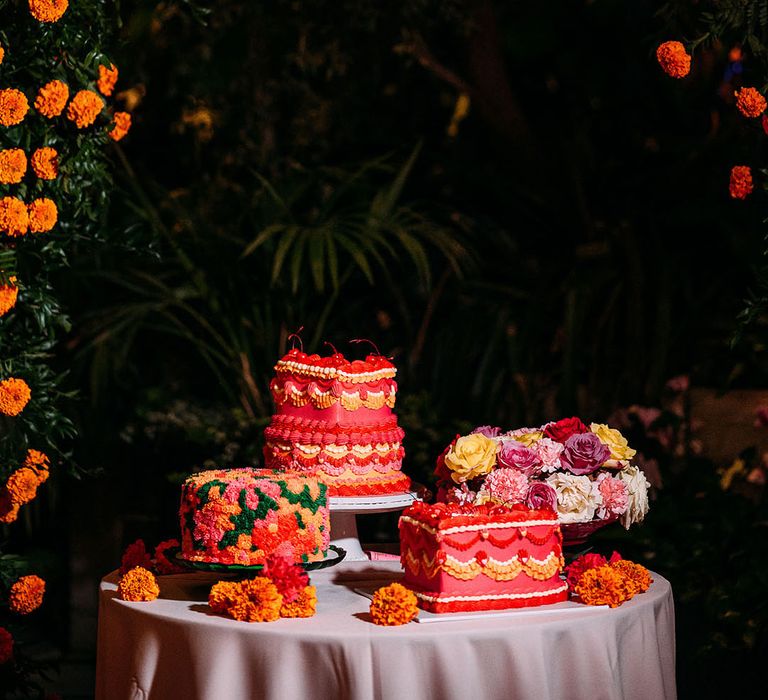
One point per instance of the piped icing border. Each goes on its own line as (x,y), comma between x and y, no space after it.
(496,596)
(300,394)
(537,569)
(478,527)
(373,368)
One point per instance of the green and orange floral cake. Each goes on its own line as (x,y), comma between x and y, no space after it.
(241,516)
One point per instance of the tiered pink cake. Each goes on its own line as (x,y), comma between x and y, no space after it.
(334,419)
(486,557)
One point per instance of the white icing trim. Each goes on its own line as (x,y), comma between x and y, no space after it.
(514,559)
(331,372)
(506,596)
(474,528)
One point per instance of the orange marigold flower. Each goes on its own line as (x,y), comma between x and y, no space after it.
(26,594)
(13,106)
(45,163)
(223,595)
(255,600)
(13,165)
(8,295)
(48,10)
(750,102)
(14,395)
(138,585)
(43,215)
(107,79)
(39,463)
(2,54)
(741,184)
(674,59)
(84,108)
(304,606)
(14,218)
(122,123)
(9,510)
(637,577)
(52,98)
(6,645)
(603,586)
(393,605)
(22,485)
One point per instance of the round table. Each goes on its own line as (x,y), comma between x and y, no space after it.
(174,647)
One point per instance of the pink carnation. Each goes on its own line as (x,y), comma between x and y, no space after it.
(462,495)
(136,555)
(506,485)
(289,578)
(615,497)
(548,452)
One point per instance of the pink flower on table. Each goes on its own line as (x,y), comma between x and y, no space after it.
(548,452)
(506,486)
(581,564)
(289,578)
(584,453)
(541,495)
(513,455)
(615,497)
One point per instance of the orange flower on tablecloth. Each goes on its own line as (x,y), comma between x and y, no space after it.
(26,594)
(13,106)
(43,215)
(674,59)
(121,126)
(603,585)
(9,510)
(6,645)
(45,163)
(138,585)
(39,463)
(741,185)
(13,165)
(107,79)
(393,605)
(750,102)
(638,578)
(254,600)
(135,554)
(14,396)
(84,108)
(22,485)
(14,217)
(9,293)
(48,10)
(304,606)
(52,98)
(223,595)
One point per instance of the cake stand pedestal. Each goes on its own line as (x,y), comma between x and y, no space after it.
(344,510)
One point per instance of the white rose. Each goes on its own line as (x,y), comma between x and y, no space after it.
(577,497)
(637,490)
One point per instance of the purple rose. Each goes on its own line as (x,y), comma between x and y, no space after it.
(541,495)
(584,453)
(514,455)
(488,430)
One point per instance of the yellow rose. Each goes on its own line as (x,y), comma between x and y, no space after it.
(471,456)
(614,441)
(529,439)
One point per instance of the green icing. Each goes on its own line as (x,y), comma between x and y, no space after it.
(246,518)
(299,520)
(303,497)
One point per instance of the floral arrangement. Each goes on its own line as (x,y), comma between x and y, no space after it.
(280,590)
(393,605)
(584,473)
(600,581)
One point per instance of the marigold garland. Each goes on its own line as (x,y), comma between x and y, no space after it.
(84,108)
(305,604)
(6,645)
(254,600)
(22,486)
(750,102)
(121,126)
(43,215)
(26,595)
(45,163)
(52,98)
(674,59)
(9,510)
(39,463)
(9,293)
(13,165)
(741,185)
(48,10)
(393,605)
(14,217)
(603,585)
(107,79)
(138,585)
(13,106)
(14,396)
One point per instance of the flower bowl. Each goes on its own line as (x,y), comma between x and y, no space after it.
(577,533)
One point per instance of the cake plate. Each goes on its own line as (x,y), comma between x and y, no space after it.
(344,510)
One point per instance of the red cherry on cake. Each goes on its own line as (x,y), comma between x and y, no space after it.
(522,555)
(481,557)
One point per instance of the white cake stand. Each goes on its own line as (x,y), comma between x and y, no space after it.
(344,522)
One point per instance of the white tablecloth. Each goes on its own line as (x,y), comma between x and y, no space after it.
(174,648)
